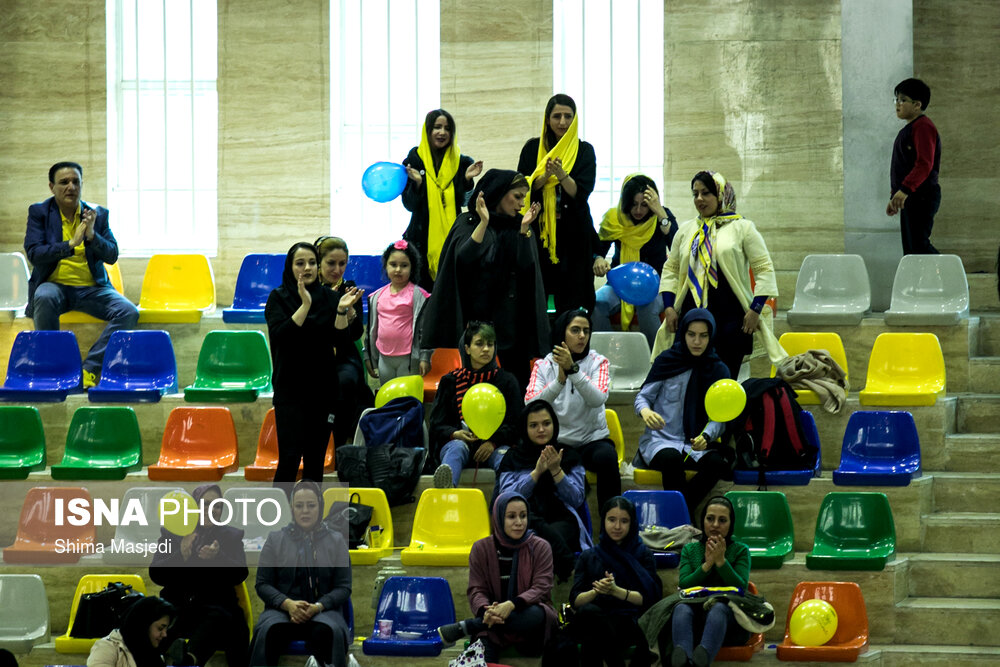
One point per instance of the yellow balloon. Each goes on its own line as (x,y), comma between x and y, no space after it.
(174,513)
(408,385)
(813,623)
(483,409)
(725,400)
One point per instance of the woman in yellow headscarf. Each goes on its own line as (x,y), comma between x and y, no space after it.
(641,230)
(561,170)
(438,183)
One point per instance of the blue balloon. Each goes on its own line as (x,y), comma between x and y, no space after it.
(384,181)
(634,282)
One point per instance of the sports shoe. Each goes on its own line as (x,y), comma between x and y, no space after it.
(442,477)
(451,633)
(89,379)
(679,657)
(699,658)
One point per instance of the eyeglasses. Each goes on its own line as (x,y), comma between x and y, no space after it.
(901,100)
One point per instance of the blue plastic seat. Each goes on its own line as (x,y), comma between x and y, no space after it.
(881,448)
(139,367)
(44,367)
(788,477)
(666,509)
(417,606)
(366,272)
(259,274)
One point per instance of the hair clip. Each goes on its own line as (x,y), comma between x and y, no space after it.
(401,244)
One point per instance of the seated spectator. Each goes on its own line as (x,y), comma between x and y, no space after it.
(449,433)
(510,585)
(199,573)
(68,242)
(137,641)
(304,580)
(679,435)
(550,476)
(574,380)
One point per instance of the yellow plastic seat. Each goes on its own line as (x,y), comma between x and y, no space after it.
(445,525)
(78,317)
(904,369)
(615,427)
(243,600)
(797,342)
(92,583)
(382,540)
(177,288)
(647,477)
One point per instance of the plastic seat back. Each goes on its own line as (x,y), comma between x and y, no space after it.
(381,542)
(854,531)
(831,290)
(199,445)
(269,505)
(904,369)
(92,583)
(666,509)
(24,612)
(102,443)
(445,524)
(177,288)
(366,272)
(417,605)
(764,523)
(628,354)
(44,366)
(798,342)
(259,275)
(22,441)
(134,532)
(851,636)
(232,366)
(881,448)
(266,461)
(615,431)
(14,277)
(443,361)
(929,290)
(79,317)
(139,367)
(37,532)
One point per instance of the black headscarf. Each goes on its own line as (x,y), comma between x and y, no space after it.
(624,560)
(705,370)
(558,332)
(135,629)
(524,455)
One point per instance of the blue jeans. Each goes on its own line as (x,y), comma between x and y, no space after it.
(456,454)
(718,628)
(53,299)
(608,303)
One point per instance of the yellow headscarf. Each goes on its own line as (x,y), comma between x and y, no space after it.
(566,150)
(703,269)
(618,225)
(441,209)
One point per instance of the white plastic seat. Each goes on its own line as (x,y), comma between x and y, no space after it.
(13,283)
(831,290)
(24,612)
(628,352)
(929,290)
(254,532)
(149,497)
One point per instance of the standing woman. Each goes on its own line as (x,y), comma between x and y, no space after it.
(305,323)
(439,177)
(709,267)
(563,170)
(137,641)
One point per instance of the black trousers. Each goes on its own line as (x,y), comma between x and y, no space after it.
(303,434)
(710,468)
(528,625)
(601,458)
(604,638)
(211,628)
(916,219)
(564,538)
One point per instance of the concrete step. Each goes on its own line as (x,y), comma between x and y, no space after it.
(948,621)
(908,655)
(954,575)
(971,452)
(961,532)
(966,492)
(988,335)
(983,292)
(984,375)
(978,413)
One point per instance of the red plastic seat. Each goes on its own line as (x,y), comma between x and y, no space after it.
(851,638)
(37,531)
(264,464)
(742,653)
(199,445)
(443,361)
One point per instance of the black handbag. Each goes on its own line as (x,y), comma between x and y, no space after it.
(99,613)
(351,518)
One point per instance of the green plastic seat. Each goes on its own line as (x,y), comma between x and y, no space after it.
(233,367)
(102,443)
(854,531)
(22,441)
(764,524)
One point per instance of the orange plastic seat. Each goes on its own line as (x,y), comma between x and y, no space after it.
(263,467)
(851,638)
(78,317)
(199,445)
(742,653)
(443,361)
(37,531)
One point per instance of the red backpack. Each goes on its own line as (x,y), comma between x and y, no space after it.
(769,433)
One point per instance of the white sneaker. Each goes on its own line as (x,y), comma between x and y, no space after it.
(442,477)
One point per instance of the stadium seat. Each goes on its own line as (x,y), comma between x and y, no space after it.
(24,612)
(831,290)
(381,540)
(742,653)
(764,524)
(628,352)
(904,369)
(259,275)
(264,464)
(881,448)
(788,477)
(139,367)
(929,290)
(14,277)
(666,509)
(22,441)
(37,532)
(243,600)
(796,342)
(615,429)
(177,288)
(233,367)
(92,583)
(135,532)
(417,606)
(102,443)
(366,272)
(443,361)
(44,366)
(854,531)
(445,524)
(851,638)
(254,531)
(80,317)
(199,445)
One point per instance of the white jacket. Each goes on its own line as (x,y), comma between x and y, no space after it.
(110,652)
(579,403)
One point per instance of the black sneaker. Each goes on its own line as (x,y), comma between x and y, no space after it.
(451,633)
(678,658)
(699,657)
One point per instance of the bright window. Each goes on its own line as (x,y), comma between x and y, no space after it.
(162,125)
